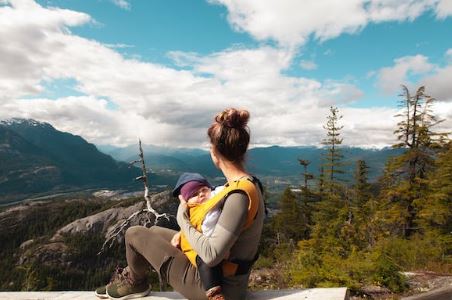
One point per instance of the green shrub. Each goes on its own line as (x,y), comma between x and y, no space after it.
(387,274)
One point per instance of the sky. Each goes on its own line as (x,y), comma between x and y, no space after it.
(113,71)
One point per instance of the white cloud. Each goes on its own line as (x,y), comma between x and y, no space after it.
(118,46)
(436,79)
(292,22)
(308,65)
(24,28)
(439,84)
(162,105)
(122,4)
(444,8)
(390,78)
(449,54)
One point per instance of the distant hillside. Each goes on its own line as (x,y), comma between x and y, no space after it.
(36,158)
(272,161)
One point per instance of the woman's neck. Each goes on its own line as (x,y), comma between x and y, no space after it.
(233,172)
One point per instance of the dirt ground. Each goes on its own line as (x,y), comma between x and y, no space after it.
(418,282)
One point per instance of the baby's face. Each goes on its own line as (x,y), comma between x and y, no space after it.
(200,196)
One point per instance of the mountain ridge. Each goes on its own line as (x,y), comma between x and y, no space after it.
(35,157)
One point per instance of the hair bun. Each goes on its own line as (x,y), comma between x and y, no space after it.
(233,118)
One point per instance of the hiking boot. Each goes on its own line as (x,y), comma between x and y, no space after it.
(101,292)
(216,297)
(215,293)
(124,287)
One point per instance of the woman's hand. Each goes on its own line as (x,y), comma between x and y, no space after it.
(182,200)
(175,241)
(182,211)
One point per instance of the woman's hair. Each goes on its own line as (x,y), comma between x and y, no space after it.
(230,135)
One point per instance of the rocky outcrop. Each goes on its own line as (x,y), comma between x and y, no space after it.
(98,223)
(54,251)
(105,222)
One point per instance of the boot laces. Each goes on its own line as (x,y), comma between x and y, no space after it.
(122,276)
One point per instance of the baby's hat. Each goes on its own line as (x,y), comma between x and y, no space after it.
(188,177)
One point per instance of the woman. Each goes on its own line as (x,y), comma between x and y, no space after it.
(234,241)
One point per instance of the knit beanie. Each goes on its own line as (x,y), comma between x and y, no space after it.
(189,189)
(187,177)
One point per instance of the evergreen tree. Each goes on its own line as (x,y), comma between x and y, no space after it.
(307,195)
(332,159)
(405,176)
(414,132)
(361,186)
(306,176)
(435,207)
(331,216)
(363,207)
(291,222)
(321,181)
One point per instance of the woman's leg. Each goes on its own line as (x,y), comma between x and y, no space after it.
(152,246)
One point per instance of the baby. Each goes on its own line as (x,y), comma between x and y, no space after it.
(195,189)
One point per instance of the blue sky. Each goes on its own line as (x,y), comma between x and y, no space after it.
(167,66)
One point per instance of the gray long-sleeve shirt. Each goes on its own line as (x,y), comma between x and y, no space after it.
(227,237)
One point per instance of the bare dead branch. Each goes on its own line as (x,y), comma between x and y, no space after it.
(148,211)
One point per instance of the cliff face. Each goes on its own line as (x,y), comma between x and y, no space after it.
(67,234)
(105,222)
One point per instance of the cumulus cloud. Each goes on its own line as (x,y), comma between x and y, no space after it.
(439,84)
(24,27)
(162,105)
(292,22)
(308,65)
(122,4)
(444,9)
(449,55)
(436,78)
(390,78)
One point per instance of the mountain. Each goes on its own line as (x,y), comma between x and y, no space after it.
(35,158)
(274,161)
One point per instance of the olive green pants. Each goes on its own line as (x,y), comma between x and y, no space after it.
(152,247)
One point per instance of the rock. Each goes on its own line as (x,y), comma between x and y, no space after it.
(55,252)
(98,223)
(26,244)
(107,221)
(49,254)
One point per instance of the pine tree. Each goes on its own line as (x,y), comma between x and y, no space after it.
(332,159)
(435,207)
(363,207)
(306,176)
(405,176)
(306,193)
(321,181)
(291,222)
(415,133)
(361,187)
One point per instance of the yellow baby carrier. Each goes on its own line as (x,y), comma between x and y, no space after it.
(198,213)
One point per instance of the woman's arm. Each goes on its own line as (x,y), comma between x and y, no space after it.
(232,219)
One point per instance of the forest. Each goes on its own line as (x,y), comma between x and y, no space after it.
(339,233)
(329,231)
